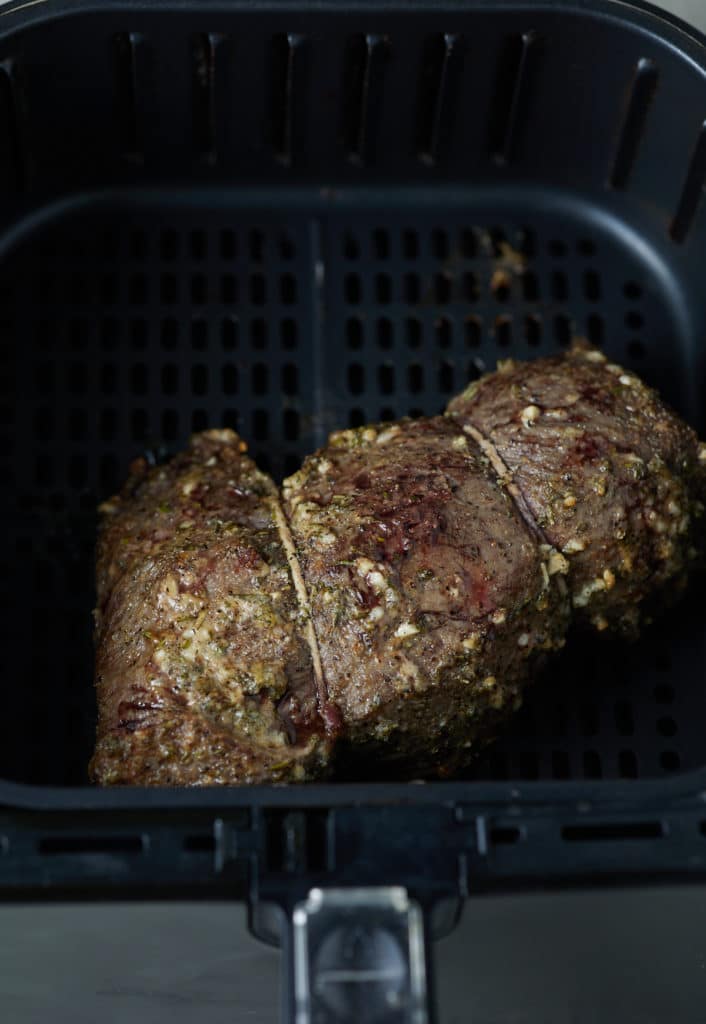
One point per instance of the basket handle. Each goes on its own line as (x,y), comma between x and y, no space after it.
(356,954)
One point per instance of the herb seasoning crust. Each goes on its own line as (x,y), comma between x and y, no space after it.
(391,605)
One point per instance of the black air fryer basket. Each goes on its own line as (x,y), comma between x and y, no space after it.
(284,218)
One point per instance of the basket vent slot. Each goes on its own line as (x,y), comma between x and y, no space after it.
(505,835)
(510,95)
(286,73)
(92,844)
(204,842)
(365,60)
(297,840)
(439,70)
(592,767)
(617,832)
(203,54)
(692,190)
(126,46)
(642,93)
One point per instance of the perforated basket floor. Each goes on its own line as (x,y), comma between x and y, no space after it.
(127,326)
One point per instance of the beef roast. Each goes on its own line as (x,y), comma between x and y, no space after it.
(391,607)
(203,671)
(430,595)
(612,477)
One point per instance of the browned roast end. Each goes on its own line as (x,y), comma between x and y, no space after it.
(202,673)
(611,475)
(431,598)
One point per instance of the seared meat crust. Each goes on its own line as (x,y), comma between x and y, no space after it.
(431,597)
(393,604)
(612,477)
(203,672)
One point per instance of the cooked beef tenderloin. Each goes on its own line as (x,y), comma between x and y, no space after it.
(203,672)
(612,477)
(431,597)
(394,605)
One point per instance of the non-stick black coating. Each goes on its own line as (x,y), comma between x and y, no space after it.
(295,222)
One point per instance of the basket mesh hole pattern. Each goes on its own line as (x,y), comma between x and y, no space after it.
(121,332)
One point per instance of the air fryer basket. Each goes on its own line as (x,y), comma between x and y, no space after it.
(291,220)
(287,218)
(132,321)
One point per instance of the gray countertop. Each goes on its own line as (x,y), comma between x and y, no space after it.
(693,11)
(629,956)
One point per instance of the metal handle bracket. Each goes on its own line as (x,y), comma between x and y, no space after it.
(359,954)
